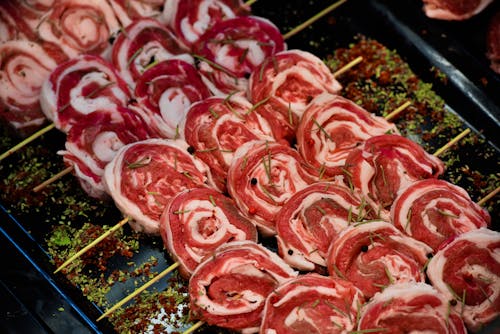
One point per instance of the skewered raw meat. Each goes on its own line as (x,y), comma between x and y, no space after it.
(410,307)
(80,86)
(466,271)
(93,142)
(141,45)
(454,9)
(434,210)
(128,11)
(331,127)
(189,19)
(165,92)
(144,175)
(216,127)
(232,49)
(195,222)
(262,177)
(230,287)
(312,219)
(386,164)
(374,255)
(312,304)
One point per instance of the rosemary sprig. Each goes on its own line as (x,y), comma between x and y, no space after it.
(140,163)
(322,129)
(212,200)
(258,104)
(216,66)
(135,55)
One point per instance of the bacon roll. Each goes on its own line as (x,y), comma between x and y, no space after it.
(434,210)
(144,175)
(374,255)
(195,222)
(312,303)
(407,308)
(262,177)
(466,271)
(230,287)
(80,86)
(331,127)
(312,219)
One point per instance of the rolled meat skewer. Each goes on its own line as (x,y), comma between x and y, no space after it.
(262,177)
(410,307)
(195,222)
(230,287)
(312,304)
(165,93)
(80,86)
(311,220)
(232,49)
(374,255)
(466,271)
(216,127)
(144,175)
(454,10)
(331,127)
(433,211)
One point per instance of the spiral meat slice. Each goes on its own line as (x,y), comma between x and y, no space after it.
(385,165)
(262,177)
(128,11)
(216,127)
(93,142)
(144,43)
(291,79)
(434,210)
(375,254)
(196,222)
(466,270)
(232,49)
(80,86)
(79,26)
(312,219)
(189,19)
(24,66)
(331,127)
(230,287)
(144,175)
(410,308)
(166,91)
(312,303)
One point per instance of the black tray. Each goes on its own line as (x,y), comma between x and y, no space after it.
(36,301)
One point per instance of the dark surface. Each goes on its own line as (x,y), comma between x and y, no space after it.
(33,300)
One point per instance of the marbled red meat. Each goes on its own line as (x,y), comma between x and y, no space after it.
(216,127)
(93,142)
(24,66)
(312,219)
(434,210)
(410,308)
(312,304)
(466,271)
(166,91)
(230,287)
(374,255)
(232,49)
(196,222)
(384,165)
(80,86)
(144,175)
(79,26)
(262,177)
(190,19)
(128,11)
(142,44)
(331,127)
(493,42)
(454,9)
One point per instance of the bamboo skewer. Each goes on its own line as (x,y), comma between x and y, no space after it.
(53,178)
(26,141)
(194,327)
(488,197)
(451,142)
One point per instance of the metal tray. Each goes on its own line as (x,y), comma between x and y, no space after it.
(37,301)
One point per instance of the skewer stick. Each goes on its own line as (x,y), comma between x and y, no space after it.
(92,244)
(313,19)
(27,141)
(396,111)
(451,142)
(139,290)
(348,66)
(250,2)
(194,327)
(53,178)
(488,197)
